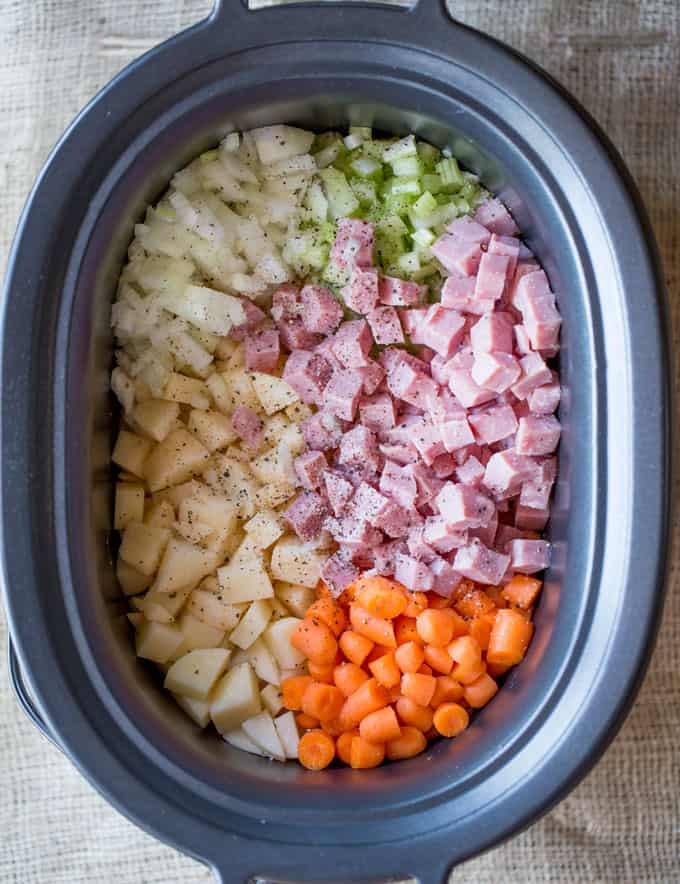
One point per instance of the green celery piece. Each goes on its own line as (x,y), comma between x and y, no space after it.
(407,167)
(424,205)
(428,153)
(364,191)
(449,171)
(363,132)
(433,183)
(341,199)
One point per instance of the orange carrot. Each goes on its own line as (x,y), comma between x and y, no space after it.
(465,650)
(435,627)
(349,677)
(328,611)
(322,701)
(467,673)
(405,630)
(450,719)
(418,687)
(385,670)
(293,689)
(380,726)
(480,629)
(479,692)
(509,638)
(306,722)
(409,657)
(495,593)
(413,714)
(343,745)
(377,629)
(336,726)
(370,697)
(522,591)
(410,742)
(495,670)
(355,647)
(365,755)
(377,652)
(448,690)
(316,750)
(315,640)
(395,690)
(460,626)
(434,600)
(473,603)
(425,669)
(417,603)
(320,672)
(438,659)
(380,597)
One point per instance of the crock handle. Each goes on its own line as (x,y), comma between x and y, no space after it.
(23,695)
(230,875)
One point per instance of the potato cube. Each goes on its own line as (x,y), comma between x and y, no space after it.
(197,710)
(294,562)
(262,661)
(195,674)
(136,619)
(225,347)
(279,610)
(293,440)
(131,452)
(183,564)
(274,428)
(197,634)
(176,494)
(187,391)
(174,460)
(275,465)
(156,417)
(157,641)
(264,528)
(234,481)
(274,394)
(272,699)
(164,607)
(261,731)
(287,730)
(241,389)
(296,598)
(244,579)
(209,509)
(211,609)
(274,495)
(237,359)
(238,739)
(159,514)
(194,532)
(252,625)
(131,581)
(298,412)
(236,697)
(220,393)
(212,428)
(129,505)
(277,638)
(143,545)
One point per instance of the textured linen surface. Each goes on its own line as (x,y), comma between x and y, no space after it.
(622,60)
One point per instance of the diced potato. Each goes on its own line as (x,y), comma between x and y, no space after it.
(287,730)
(252,625)
(198,710)
(156,417)
(197,634)
(300,669)
(129,504)
(234,481)
(183,564)
(277,143)
(212,428)
(209,509)
(262,732)
(296,598)
(209,608)
(164,607)
(208,309)
(238,739)
(239,454)
(275,466)
(264,528)
(175,495)
(220,393)
(294,562)
(136,619)
(274,428)
(298,412)
(262,661)
(237,358)
(157,641)
(142,546)
(241,388)
(277,638)
(194,532)
(175,460)
(279,610)
(159,514)
(244,579)
(236,697)
(131,452)
(132,581)
(137,603)
(276,494)
(272,699)
(195,674)
(225,347)
(293,440)
(273,394)
(187,391)
(124,476)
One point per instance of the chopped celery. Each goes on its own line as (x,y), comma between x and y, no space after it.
(407,167)
(390,235)
(428,153)
(405,147)
(403,186)
(363,132)
(209,156)
(433,183)
(469,190)
(424,205)
(365,167)
(341,200)
(329,154)
(231,142)
(351,141)
(324,140)
(450,171)
(409,262)
(316,203)
(422,239)
(364,191)
(376,148)
(463,207)
(396,204)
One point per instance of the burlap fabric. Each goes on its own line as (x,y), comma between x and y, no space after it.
(622,60)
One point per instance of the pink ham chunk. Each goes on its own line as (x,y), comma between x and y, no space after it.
(321,431)
(462,507)
(400,454)
(535,491)
(342,393)
(248,426)
(506,471)
(417,546)
(529,556)
(338,573)
(471,472)
(373,374)
(307,373)
(492,334)
(353,244)
(457,256)
(530,519)
(321,312)
(442,330)
(413,574)
(339,491)
(546,398)
(444,466)
(399,484)
(443,406)
(352,343)
(428,484)
(294,335)
(397,520)
(537,434)
(427,439)
(493,215)
(523,269)
(306,515)
(254,316)
(361,293)
(368,505)
(456,433)
(262,350)
(359,448)
(508,246)
(542,321)
(481,564)
(458,293)
(466,391)
(310,468)
(413,386)
(492,277)
(442,537)
(385,325)
(530,282)
(395,292)
(378,412)
(412,323)
(469,230)
(286,303)
(493,424)
(535,373)
(522,342)
(445,577)
(384,556)
(495,371)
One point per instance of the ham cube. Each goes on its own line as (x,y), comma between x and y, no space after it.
(353,244)
(457,256)
(470,231)
(306,515)
(542,321)
(396,521)
(412,323)
(428,440)
(399,484)
(466,391)
(307,373)
(495,371)
(247,425)
(535,491)
(529,519)
(492,334)
(417,547)
(442,537)
(486,533)
(368,505)
(445,577)
(443,406)
(529,556)
(378,412)
(262,350)
(537,434)
(428,484)
(294,335)
(444,466)
(492,277)
(523,269)
(384,556)
(254,316)
(504,535)
(410,385)
(339,491)
(352,343)
(310,468)
(508,246)
(342,393)
(461,506)
(493,424)
(506,471)
(481,564)
(286,303)
(535,373)
(546,398)
(373,374)
(321,312)
(338,573)
(456,433)
(395,292)
(413,574)
(493,215)
(385,325)
(361,293)
(522,342)
(359,447)
(442,330)
(439,370)
(464,358)
(458,293)
(470,472)
(325,349)
(399,453)
(529,282)
(321,431)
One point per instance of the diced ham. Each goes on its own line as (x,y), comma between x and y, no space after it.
(445,577)
(467,229)
(262,350)
(294,335)
(342,393)
(399,484)
(391,357)
(286,303)
(428,484)
(505,534)
(359,447)
(457,255)
(442,330)
(247,425)
(442,537)
(546,398)
(254,316)
(481,564)
(535,373)
(464,358)
(385,325)
(493,215)
(339,491)
(529,556)
(492,277)
(535,491)
(395,292)
(417,546)
(352,343)
(471,472)
(495,371)
(411,385)
(523,268)
(427,438)
(307,373)
(368,505)
(537,434)
(522,342)
(384,556)
(439,371)
(399,453)
(492,334)
(397,521)
(461,506)
(542,320)
(530,284)
(321,312)
(444,466)
(373,374)
(494,423)
(508,246)
(361,293)
(412,323)
(458,292)
(321,431)
(377,412)
(338,573)
(353,244)
(529,519)
(466,391)
(487,532)
(306,515)
(310,468)
(506,470)
(353,534)
(412,573)
(456,433)
(443,406)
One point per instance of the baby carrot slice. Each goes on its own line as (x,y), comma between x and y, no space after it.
(322,701)
(377,652)
(380,597)
(465,650)
(365,755)
(377,629)
(438,659)
(410,742)
(370,697)
(412,714)
(293,689)
(385,670)
(306,722)
(425,669)
(355,647)
(343,745)
(380,726)
(480,629)
(473,603)
(409,657)
(522,591)
(448,690)
(405,630)
(495,670)
(417,603)
(321,672)
(328,611)
(450,719)
(349,677)
(316,750)
(435,627)
(418,687)
(479,692)
(495,593)
(509,638)
(315,640)
(434,600)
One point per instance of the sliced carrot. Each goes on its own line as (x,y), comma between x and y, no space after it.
(432,734)
(413,714)
(385,670)
(377,629)
(328,611)
(306,722)
(370,697)
(435,627)
(380,726)
(450,719)
(293,689)
(509,638)
(321,672)
(380,597)
(349,677)
(316,750)
(343,745)
(473,603)
(438,659)
(466,673)
(434,600)
(410,742)
(495,670)
(405,630)
(365,755)
(355,647)
(377,652)
(460,626)
(315,640)
(395,690)
(465,650)
(418,687)
(409,657)
(336,726)
(426,670)
(322,701)
(495,593)
(448,690)
(417,603)
(479,692)
(522,591)
(480,629)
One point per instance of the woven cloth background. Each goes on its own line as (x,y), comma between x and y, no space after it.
(622,60)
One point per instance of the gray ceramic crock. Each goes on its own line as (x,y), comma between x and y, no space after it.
(322,66)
